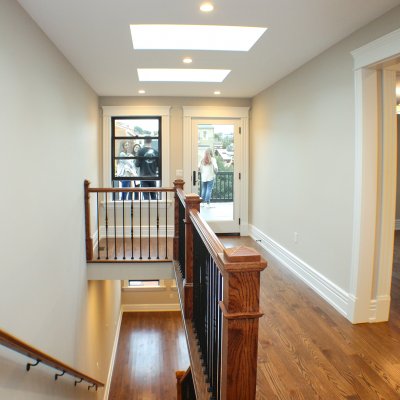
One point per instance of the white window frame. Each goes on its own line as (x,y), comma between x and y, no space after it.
(240,113)
(136,111)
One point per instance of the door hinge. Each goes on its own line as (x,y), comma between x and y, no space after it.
(240,175)
(240,129)
(239,221)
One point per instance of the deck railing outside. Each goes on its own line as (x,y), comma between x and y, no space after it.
(220,306)
(223,187)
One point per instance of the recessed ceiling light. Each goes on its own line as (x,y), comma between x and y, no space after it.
(141,91)
(181,75)
(217,92)
(206,7)
(194,37)
(187,60)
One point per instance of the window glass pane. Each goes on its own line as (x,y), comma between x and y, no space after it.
(133,283)
(137,127)
(136,150)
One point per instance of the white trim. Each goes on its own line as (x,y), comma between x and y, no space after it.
(113,356)
(377,51)
(240,113)
(114,111)
(328,290)
(374,191)
(150,307)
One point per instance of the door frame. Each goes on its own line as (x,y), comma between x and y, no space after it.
(240,113)
(374,180)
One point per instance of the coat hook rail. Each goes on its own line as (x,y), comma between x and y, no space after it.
(29,365)
(36,356)
(76,382)
(57,375)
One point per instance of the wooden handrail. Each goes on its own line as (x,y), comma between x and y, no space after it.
(21,347)
(240,268)
(131,190)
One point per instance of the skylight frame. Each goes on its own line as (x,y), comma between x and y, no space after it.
(182,75)
(194,37)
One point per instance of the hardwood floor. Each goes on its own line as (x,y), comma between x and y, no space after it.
(151,347)
(308,351)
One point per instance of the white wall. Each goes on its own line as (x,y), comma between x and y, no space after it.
(49,144)
(302,163)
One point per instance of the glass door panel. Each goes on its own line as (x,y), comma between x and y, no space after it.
(215,172)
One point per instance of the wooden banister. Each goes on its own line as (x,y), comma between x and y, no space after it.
(178,185)
(89,240)
(21,347)
(240,268)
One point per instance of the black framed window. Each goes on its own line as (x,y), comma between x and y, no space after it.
(136,150)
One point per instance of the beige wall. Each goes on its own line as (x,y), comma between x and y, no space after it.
(49,145)
(302,157)
(398,169)
(176,117)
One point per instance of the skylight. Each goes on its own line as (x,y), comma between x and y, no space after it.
(181,75)
(194,37)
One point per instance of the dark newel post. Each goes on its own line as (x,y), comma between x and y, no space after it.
(241,312)
(192,203)
(89,240)
(178,184)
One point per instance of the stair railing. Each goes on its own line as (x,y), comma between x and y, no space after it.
(219,294)
(131,224)
(40,357)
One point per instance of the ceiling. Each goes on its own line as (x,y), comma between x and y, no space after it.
(94,35)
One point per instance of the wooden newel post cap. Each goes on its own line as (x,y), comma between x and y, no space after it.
(238,257)
(192,200)
(179,183)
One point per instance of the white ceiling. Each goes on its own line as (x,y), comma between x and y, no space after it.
(94,35)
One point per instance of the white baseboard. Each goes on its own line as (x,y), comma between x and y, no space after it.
(328,290)
(150,307)
(113,355)
(397,225)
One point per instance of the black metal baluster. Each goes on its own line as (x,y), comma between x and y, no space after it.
(140,227)
(106,195)
(123,226)
(182,238)
(115,232)
(219,335)
(157,227)
(132,258)
(166,226)
(148,203)
(98,226)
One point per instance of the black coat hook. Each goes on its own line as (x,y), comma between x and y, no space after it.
(29,365)
(76,382)
(94,385)
(57,375)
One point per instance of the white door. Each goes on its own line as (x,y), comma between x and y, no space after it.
(221,136)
